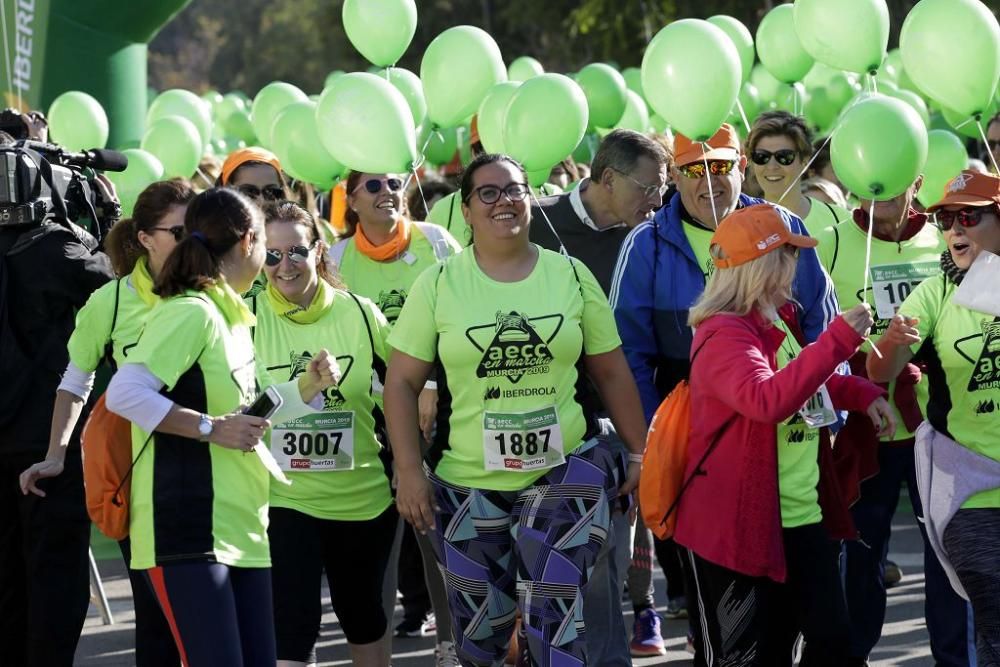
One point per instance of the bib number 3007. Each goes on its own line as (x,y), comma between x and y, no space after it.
(522,441)
(315,443)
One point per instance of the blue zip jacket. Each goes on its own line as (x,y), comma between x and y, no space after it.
(657,279)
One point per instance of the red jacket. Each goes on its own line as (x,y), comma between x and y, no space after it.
(731,513)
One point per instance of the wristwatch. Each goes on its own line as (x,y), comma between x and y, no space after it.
(205,427)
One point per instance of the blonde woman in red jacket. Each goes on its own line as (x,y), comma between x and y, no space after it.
(764,567)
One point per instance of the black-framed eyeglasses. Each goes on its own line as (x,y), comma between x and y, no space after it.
(176,230)
(646,189)
(374,185)
(965,217)
(268,192)
(297,254)
(785,156)
(490,194)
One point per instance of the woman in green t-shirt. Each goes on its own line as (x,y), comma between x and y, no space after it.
(336,459)
(106,327)
(960,441)
(520,488)
(199,501)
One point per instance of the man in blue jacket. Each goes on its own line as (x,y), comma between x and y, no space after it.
(662,268)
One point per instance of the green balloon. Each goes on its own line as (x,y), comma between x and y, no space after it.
(914,101)
(296,142)
(238,126)
(184,103)
(442,146)
(966,124)
(636,116)
(213,97)
(143,168)
(779,48)
(892,65)
(536,179)
(366,125)
(946,157)
(457,70)
(381,30)
(951,50)
(524,68)
(880,148)
(658,124)
(633,80)
(177,144)
(268,103)
(821,110)
(493,110)
(605,89)
(228,105)
(767,86)
(676,67)
(546,119)
(409,84)
(742,40)
(333,76)
(841,89)
(792,97)
(78,122)
(844,34)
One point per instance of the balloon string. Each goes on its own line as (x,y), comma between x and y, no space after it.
(708,177)
(420,189)
(743,115)
(868,248)
(796,101)
(979,126)
(6,54)
(562,248)
(420,161)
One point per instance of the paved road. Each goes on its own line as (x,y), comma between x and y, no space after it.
(904,639)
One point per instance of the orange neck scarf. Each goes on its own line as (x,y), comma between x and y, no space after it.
(391,249)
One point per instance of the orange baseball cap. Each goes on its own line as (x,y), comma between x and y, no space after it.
(723,145)
(753,231)
(237,159)
(970,188)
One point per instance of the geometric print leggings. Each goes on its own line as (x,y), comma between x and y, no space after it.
(531,549)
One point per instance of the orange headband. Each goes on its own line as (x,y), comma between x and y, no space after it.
(239,158)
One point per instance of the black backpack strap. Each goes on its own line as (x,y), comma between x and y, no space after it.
(836,248)
(109,347)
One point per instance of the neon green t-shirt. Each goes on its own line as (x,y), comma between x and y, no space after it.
(93,321)
(333,457)
(823,215)
(896,269)
(447,212)
(700,240)
(964,346)
(388,283)
(508,355)
(191,500)
(798,456)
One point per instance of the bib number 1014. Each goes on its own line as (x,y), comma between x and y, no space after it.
(529,444)
(304,443)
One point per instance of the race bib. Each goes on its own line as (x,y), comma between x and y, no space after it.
(315,443)
(522,441)
(819,411)
(892,283)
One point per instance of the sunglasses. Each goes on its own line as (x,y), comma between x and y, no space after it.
(785,156)
(715,167)
(297,254)
(374,185)
(647,190)
(490,194)
(176,230)
(965,217)
(268,192)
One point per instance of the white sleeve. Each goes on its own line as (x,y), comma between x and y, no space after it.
(134,393)
(292,405)
(77,381)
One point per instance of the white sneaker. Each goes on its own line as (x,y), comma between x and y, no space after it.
(445,655)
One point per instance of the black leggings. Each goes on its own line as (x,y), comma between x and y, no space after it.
(972,540)
(355,555)
(220,616)
(154,643)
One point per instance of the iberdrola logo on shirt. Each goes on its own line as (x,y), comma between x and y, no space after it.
(390,302)
(333,399)
(515,345)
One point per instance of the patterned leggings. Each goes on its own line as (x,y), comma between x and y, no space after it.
(539,543)
(972,540)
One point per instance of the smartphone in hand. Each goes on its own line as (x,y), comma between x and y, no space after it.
(266,404)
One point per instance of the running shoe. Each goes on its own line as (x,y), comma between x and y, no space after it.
(414,626)
(893,574)
(512,328)
(689,647)
(646,637)
(446,656)
(676,608)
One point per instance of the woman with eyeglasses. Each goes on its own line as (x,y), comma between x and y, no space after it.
(106,327)
(958,446)
(199,496)
(337,516)
(755,515)
(519,489)
(779,146)
(256,173)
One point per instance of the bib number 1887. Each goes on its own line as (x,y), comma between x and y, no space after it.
(530,444)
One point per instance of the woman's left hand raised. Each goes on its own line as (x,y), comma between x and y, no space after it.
(882,416)
(322,373)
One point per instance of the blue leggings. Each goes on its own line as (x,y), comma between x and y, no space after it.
(220,616)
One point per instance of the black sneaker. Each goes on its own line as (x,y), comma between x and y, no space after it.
(413,627)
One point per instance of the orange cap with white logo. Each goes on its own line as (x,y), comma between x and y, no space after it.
(753,231)
(970,188)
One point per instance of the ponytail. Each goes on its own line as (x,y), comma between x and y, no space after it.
(122,242)
(122,246)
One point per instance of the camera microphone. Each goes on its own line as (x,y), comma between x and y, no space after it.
(103,159)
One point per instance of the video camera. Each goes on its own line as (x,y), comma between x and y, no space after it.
(40,181)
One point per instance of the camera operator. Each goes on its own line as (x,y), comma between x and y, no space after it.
(48,268)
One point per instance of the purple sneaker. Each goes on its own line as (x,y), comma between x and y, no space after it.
(646,637)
